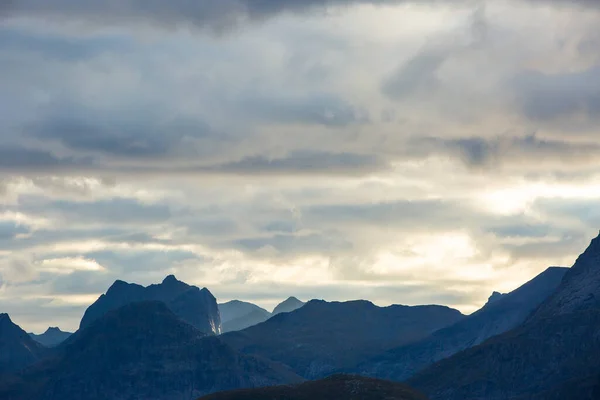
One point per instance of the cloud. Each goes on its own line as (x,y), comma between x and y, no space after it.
(305,162)
(494,152)
(551,97)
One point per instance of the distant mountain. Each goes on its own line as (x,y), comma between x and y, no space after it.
(323,337)
(346,387)
(142,351)
(559,343)
(52,337)
(237,315)
(17,349)
(501,313)
(197,307)
(288,305)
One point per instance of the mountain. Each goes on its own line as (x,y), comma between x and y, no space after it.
(237,315)
(501,313)
(288,305)
(17,349)
(345,387)
(142,351)
(559,343)
(52,337)
(197,307)
(323,337)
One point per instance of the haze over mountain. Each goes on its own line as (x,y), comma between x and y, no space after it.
(346,387)
(322,337)
(17,348)
(501,313)
(288,305)
(142,351)
(197,307)
(555,347)
(52,337)
(237,315)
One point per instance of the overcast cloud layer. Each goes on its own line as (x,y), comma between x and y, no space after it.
(401,151)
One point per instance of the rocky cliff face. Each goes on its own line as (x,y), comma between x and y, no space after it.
(323,337)
(500,314)
(17,349)
(197,307)
(142,351)
(559,343)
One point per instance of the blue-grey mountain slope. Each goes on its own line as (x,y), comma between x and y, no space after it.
(288,305)
(52,337)
(559,343)
(323,337)
(237,315)
(17,348)
(500,314)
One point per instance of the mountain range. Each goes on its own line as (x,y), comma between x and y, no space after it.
(322,337)
(237,315)
(539,342)
(556,349)
(500,314)
(141,351)
(197,307)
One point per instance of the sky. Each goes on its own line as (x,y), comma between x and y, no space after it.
(410,152)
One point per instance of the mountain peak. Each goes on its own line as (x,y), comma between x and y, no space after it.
(170,279)
(494,297)
(290,304)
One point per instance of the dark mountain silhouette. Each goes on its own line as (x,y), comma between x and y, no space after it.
(500,314)
(288,305)
(346,387)
(142,351)
(237,315)
(323,337)
(559,343)
(17,348)
(197,307)
(52,337)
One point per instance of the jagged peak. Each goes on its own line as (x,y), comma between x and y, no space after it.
(5,318)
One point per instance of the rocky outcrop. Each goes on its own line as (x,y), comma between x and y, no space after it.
(197,307)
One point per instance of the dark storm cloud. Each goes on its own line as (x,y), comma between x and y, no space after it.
(202,13)
(300,162)
(550,97)
(115,211)
(490,152)
(134,133)
(317,109)
(27,159)
(56,47)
